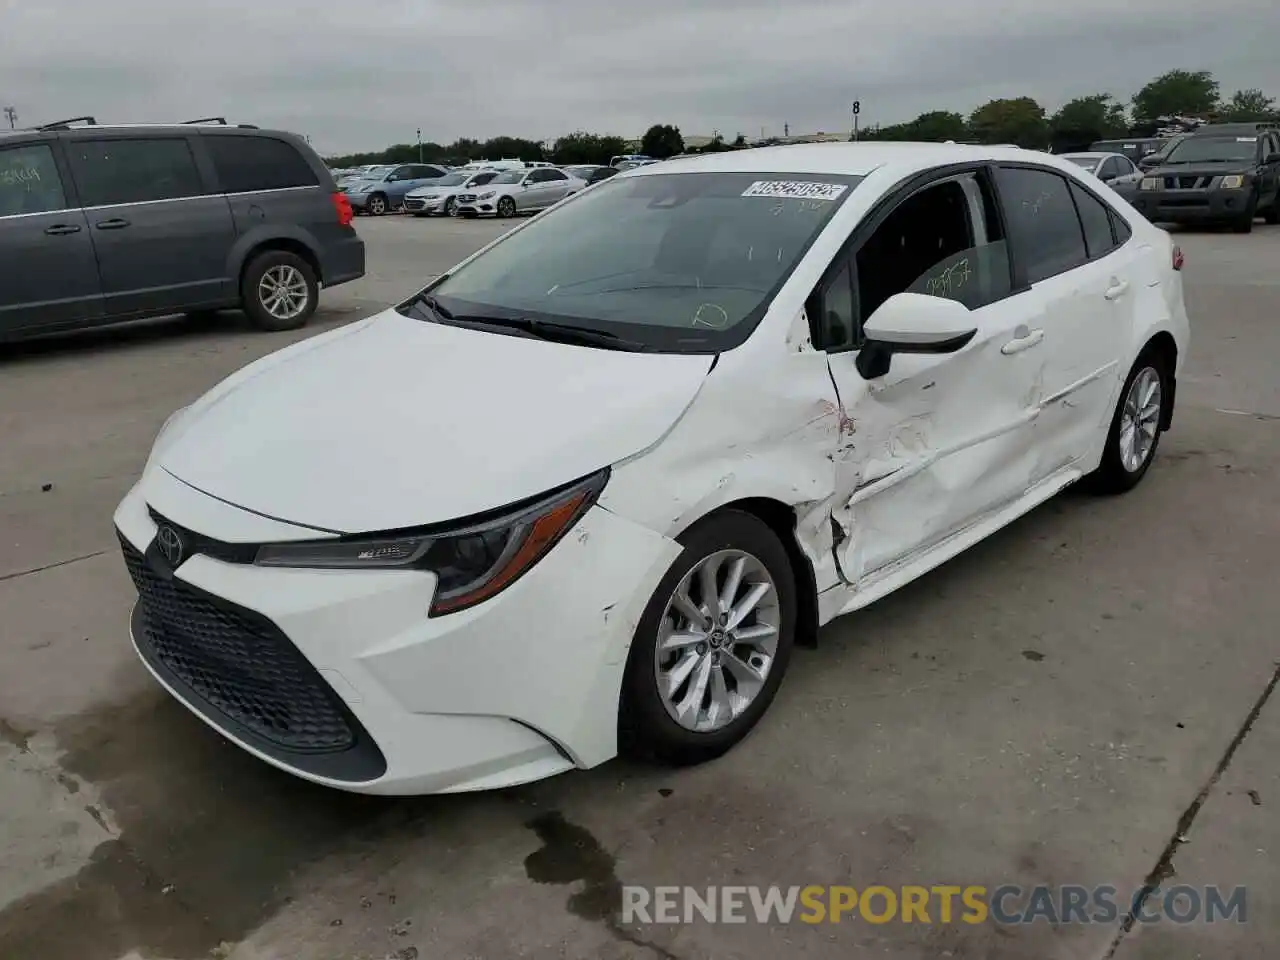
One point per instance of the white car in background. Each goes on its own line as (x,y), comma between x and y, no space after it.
(442,196)
(514,192)
(1114,169)
(586,491)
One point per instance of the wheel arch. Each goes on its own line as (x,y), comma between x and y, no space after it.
(781,519)
(1163,346)
(293,245)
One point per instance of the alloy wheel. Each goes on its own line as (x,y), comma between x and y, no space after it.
(718,641)
(282,291)
(1140,419)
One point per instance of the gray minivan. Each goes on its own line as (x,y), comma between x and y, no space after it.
(100,224)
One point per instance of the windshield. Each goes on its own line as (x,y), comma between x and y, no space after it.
(1197,149)
(509,176)
(375,173)
(1087,162)
(452,180)
(582,172)
(684,262)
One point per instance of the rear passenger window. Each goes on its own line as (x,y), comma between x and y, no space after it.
(133,171)
(1043,224)
(246,164)
(29,181)
(1096,222)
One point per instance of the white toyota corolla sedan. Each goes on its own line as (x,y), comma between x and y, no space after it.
(586,491)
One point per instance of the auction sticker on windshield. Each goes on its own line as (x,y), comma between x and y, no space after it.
(795,189)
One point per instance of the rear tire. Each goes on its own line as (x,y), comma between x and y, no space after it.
(729,673)
(279,291)
(1130,450)
(451,207)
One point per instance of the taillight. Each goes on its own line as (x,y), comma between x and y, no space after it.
(343,206)
(1178,259)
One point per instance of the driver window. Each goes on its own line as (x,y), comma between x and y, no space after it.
(930,244)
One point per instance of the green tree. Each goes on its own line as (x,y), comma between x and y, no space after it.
(1085,119)
(739,141)
(717,145)
(1178,92)
(510,148)
(1019,121)
(583,147)
(661,141)
(1248,105)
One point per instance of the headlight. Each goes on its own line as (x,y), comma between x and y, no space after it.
(489,196)
(1150,183)
(1233,182)
(472,562)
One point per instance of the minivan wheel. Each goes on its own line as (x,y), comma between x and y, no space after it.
(279,291)
(712,645)
(377,205)
(506,207)
(1135,427)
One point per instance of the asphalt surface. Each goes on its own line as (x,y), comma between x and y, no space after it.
(1082,699)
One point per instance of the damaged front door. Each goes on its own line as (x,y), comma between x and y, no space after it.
(940,440)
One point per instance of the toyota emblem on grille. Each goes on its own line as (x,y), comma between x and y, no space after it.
(170,545)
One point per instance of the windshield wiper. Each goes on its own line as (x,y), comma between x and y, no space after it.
(432,304)
(554,332)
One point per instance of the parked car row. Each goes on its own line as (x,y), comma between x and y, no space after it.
(500,188)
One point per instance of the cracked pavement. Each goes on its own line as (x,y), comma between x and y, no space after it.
(1082,699)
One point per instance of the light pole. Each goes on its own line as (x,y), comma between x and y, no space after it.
(12,114)
(857,109)
(419,144)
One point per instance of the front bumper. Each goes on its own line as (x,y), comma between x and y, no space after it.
(414,204)
(518,688)
(1192,206)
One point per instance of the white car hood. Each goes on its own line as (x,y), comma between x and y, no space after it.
(396,422)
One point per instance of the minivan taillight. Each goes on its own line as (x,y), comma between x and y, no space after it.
(1178,259)
(343,206)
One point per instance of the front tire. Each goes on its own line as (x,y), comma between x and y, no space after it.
(376,205)
(1245,223)
(506,207)
(1272,214)
(712,645)
(1135,429)
(279,291)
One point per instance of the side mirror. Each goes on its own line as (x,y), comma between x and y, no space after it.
(913,323)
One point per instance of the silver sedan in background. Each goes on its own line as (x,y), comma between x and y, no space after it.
(441,196)
(1114,169)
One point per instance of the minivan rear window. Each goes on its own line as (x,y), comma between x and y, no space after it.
(247,164)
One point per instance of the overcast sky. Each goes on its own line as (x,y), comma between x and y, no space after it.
(361,74)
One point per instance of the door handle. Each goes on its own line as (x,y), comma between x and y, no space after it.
(62,229)
(1117,289)
(116,223)
(1023,339)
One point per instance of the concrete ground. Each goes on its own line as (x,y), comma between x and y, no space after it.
(1064,704)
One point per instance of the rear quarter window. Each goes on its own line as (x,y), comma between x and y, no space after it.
(248,164)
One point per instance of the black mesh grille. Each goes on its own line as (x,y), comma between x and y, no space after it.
(237,663)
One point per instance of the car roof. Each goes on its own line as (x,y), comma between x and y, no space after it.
(841,157)
(1091,154)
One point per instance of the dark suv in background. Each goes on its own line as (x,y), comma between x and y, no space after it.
(1221,173)
(100,224)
